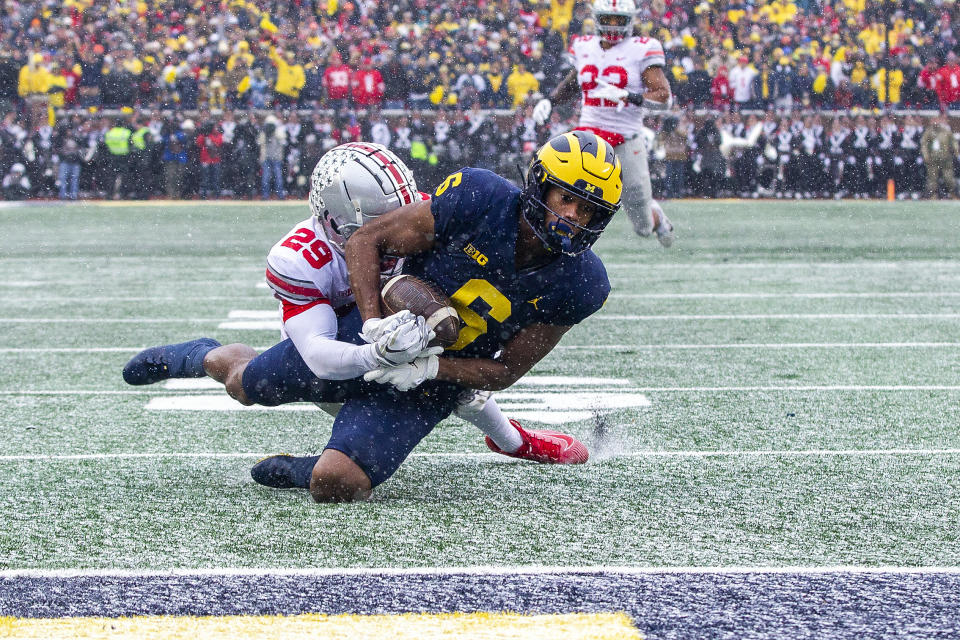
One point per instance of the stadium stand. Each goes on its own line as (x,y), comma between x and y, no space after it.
(450,83)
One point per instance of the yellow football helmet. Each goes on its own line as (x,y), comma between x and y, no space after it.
(584,164)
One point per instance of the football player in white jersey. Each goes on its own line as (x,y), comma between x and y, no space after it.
(306,269)
(619,75)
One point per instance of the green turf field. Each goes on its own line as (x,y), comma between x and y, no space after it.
(821,328)
(785,384)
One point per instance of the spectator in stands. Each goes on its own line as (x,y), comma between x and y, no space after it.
(272,141)
(939,148)
(34,79)
(497,95)
(396,80)
(174,156)
(259,98)
(673,140)
(9,79)
(948,83)
(927,96)
(709,165)
(741,83)
(699,86)
(311,95)
(782,81)
(210,144)
(520,84)
(336,82)
(16,184)
(290,78)
(141,152)
(801,88)
(117,140)
(720,89)
(69,152)
(367,85)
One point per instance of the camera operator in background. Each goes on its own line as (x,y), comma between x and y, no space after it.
(272,141)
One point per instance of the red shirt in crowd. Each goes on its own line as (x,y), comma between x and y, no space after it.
(73,80)
(368,87)
(948,83)
(210,147)
(928,79)
(720,90)
(336,81)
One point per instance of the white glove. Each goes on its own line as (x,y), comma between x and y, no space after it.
(406,376)
(406,342)
(542,111)
(374,328)
(606,91)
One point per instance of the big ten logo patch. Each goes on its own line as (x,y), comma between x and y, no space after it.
(474,253)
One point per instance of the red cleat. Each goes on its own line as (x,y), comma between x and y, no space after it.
(548,447)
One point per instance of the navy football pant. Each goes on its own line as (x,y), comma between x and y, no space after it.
(377,427)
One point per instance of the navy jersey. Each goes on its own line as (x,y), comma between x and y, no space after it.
(476,218)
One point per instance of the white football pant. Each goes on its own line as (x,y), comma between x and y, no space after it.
(637,192)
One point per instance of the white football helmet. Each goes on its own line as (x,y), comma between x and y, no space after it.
(614,18)
(355,183)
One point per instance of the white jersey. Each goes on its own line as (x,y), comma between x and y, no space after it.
(304,270)
(622,65)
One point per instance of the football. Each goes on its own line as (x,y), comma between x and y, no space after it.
(423,299)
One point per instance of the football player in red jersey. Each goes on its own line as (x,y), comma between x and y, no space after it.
(620,75)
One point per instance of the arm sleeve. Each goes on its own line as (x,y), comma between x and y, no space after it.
(314,331)
(653,56)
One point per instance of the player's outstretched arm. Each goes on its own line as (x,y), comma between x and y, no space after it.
(524,350)
(567,90)
(403,232)
(657,95)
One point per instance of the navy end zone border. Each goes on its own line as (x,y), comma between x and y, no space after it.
(663,603)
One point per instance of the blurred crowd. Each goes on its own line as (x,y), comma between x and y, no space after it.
(288,80)
(246,155)
(805,157)
(422,54)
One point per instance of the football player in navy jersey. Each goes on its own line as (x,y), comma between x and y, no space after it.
(518,267)
(379,426)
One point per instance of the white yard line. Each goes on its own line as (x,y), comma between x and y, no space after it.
(722,453)
(599,316)
(775,296)
(105,320)
(768,266)
(162,298)
(839,387)
(771,345)
(588,347)
(779,316)
(621,296)
(852,387)
(227,572)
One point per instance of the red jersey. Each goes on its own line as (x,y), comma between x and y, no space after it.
(336,80)
(368,87)
(720,90)
(210,147)
(948,84)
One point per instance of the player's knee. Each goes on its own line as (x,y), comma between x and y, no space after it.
(234,387)
(337,478)
(251,385)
